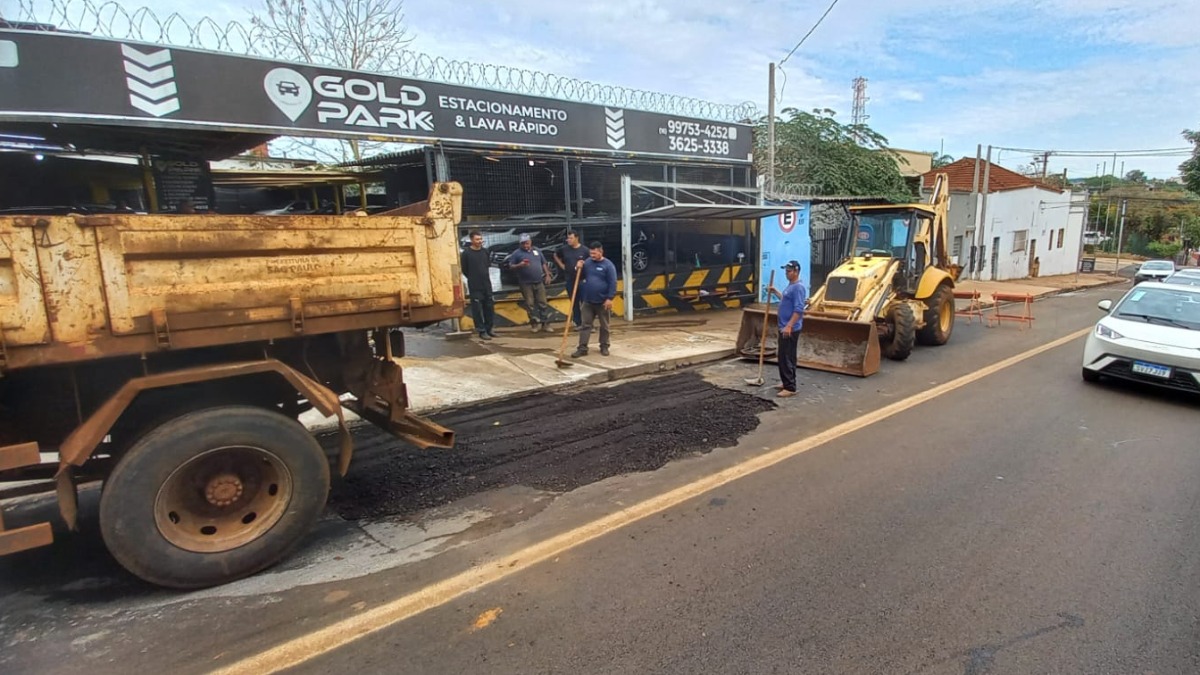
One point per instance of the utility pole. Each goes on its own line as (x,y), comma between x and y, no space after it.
(771,131)
(1045,163)
(987,176)
(974,245)
(1121,234)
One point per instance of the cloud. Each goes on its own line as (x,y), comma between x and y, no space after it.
(1054,74)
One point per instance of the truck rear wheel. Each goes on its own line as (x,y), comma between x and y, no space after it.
(939,318)
(904,333)
(213,496)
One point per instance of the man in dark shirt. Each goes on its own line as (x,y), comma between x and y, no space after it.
(568,258)
(597,289)
(476,267)
(532,273)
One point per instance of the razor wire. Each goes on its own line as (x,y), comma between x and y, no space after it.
(110,19)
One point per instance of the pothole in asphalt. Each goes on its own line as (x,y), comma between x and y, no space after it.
(555,442)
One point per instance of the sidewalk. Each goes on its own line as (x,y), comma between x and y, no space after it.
(443,374)
(1039,287)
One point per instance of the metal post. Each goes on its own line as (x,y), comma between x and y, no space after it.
(987,178)
(579,186)
(567,188)
(1107,216)
(771,131)
(1120,235)
(974,222)
(627,242)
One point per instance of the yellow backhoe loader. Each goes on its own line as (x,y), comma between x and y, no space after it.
(895,288)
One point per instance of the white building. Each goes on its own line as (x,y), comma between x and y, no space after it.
(1032,229)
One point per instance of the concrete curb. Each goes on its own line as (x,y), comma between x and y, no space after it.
(601,377)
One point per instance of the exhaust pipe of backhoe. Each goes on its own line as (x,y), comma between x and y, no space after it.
(832,345)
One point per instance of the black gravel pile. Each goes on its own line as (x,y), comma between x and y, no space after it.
(554,442)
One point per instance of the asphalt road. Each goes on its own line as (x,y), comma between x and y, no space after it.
(1023,522)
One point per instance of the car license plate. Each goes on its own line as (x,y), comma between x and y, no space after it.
(1153,369)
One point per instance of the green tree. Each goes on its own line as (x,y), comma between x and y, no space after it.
(836,159)
(1191,168)
(941,160)
(1136,176)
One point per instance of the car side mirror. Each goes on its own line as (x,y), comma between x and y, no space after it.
(1104,305)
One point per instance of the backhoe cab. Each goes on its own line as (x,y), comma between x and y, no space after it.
(894,288)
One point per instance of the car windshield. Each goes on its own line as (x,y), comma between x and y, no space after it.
(1158,265)
(1178,307)
(883,233)
(1186,279)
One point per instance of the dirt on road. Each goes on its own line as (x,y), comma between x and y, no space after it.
(554,441)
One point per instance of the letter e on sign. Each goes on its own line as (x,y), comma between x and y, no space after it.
(787,221)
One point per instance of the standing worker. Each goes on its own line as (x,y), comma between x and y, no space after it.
(533,273)
(476,267)
(599,287)
(791,316)
(568,259)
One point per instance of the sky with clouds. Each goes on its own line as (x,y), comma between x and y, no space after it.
(1045,74)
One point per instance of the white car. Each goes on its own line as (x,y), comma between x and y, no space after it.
(1154,270)
(1152,335)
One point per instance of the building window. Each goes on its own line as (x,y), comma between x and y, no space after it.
(1020,241)
(1061,233)
(957,249)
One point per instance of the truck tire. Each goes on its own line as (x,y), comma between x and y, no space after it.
(904,333)
(939,318)
(213,496)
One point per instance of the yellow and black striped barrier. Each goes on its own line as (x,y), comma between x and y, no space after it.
(692,290)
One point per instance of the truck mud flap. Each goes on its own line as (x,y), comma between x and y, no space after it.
(836,346)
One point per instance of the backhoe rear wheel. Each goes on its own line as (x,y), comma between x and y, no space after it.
(939,318)
(213,496)
(904,333)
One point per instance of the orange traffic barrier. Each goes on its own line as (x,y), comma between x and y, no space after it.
(974,307)
(1024,300)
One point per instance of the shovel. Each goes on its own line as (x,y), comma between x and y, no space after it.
(562,349)
(762,345)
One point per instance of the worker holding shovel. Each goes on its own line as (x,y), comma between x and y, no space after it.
(791,316)
(599,287)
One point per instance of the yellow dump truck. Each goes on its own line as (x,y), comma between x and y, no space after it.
(169,356)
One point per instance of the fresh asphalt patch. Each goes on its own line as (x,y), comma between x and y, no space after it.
(554,441)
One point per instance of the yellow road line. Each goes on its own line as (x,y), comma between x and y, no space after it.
(306,647)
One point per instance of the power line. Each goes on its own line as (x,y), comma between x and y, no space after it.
(1155,152)
(810,32)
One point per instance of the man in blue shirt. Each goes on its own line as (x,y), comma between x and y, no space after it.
(532,273)
(568,258)
(791,316)
(597,288)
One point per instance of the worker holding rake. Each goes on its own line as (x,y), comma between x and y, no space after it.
(791,317)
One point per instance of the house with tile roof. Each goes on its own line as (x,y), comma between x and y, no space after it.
(1032,229)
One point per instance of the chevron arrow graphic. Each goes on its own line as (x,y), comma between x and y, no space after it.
(150,76)
(151,93)
(146,60)
(157,109)
(614,124)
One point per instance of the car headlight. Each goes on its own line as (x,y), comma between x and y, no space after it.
(1107,333)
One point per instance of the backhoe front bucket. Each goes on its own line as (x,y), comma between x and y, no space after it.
(750,333)
(837,346)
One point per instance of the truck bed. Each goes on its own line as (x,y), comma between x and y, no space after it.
(76,288)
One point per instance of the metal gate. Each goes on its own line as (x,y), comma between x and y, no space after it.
(828,249)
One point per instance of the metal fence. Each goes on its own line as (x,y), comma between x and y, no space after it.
(111,19)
